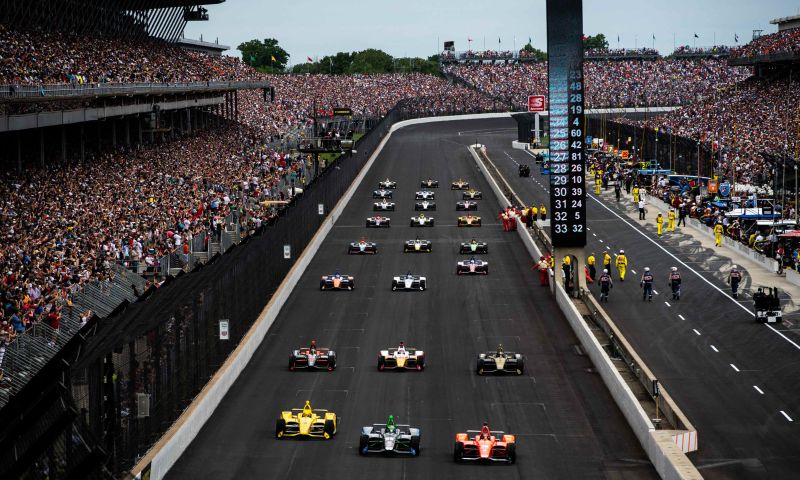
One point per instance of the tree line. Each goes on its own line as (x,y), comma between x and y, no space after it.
(268,56)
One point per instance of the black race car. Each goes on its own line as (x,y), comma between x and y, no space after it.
(466,205)
(500,361)
(524,170)
(474,247)
(425,205)
(429,183)
(312,358)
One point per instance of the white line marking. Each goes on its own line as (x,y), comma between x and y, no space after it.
(714,348)
(734,367)
(787,416)
(758,389)
(695,331)
(667,303)
(692,270)
(681,317)
(600,240)
(594,234)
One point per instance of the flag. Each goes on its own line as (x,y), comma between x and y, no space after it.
(309,60)
(273,58)
(469,39)
(696,36)
(654,36)
(529,40)
(736,37)
(617,38)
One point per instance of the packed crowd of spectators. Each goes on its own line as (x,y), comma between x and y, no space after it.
(715,50)
(65,225)
(758,116)
(42,58)
(621,52)
(787,41)
(624,83)
(365,95)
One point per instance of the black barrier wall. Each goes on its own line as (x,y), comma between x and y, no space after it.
(138,369)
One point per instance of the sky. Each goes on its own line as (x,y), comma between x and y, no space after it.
(312,28)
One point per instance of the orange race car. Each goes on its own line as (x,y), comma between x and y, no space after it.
(485,445)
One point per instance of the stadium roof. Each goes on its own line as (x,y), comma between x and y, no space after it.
(791,18)
(149,4)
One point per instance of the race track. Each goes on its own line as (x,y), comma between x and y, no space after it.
(566,422)
(736,380)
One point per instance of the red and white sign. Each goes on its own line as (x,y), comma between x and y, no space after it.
(536,103)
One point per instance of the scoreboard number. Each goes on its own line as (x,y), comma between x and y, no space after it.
(567,129)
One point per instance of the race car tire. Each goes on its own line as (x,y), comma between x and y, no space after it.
(479,368)
(280,427)
(394,286)
(411,224)
(458,452)
(511,453)
(421,363)
(415,445)
(331,364)
(381,364)
(329,428)
(291,364)
(363,445)
(520,367)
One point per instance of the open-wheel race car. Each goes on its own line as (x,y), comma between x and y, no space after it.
(424,195)
(474,246)
(524,170)
(473,266)
(767,305)
(429,183)
(401,358)
(425,205)
(421,220)
(466,206)
(500,361)
(383,206)
(417,246)
(306,422)
(362,247)
(472,194)
(409,282)
(382,193)
(337,281)
(312,357)
(459,184)
(386,184)
(469,221)
(378,221)
(485,445)
(389,437)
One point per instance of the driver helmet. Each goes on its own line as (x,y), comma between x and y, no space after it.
(390,425)
(500,349)
(485,432)
(307,409)
(313,344)
(401,347)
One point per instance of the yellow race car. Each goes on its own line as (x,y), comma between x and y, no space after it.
(306,422)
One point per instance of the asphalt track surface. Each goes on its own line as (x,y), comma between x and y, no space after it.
(565,420)
(736,380)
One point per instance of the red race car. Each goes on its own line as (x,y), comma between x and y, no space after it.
(485,445)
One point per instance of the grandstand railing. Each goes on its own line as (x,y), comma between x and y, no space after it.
(99,89)
(770,58)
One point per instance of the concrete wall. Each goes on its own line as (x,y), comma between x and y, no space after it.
(662,447)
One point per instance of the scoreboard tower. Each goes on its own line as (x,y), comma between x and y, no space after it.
(567,133)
